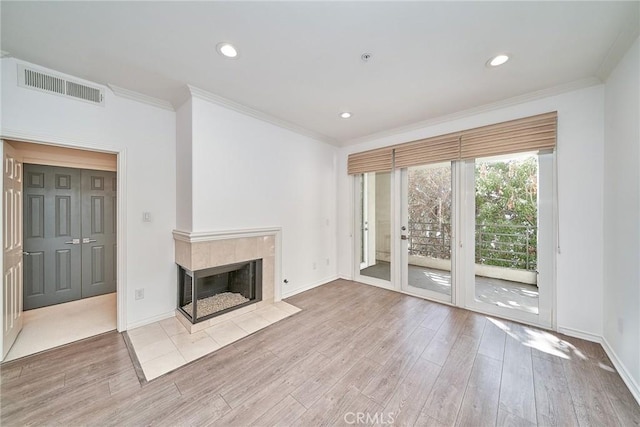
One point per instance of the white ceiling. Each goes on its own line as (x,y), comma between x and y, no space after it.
(300,61)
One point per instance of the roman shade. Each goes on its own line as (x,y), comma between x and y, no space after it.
(438,149)
(533,133)
(379,160)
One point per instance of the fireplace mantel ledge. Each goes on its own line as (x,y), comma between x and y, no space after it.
(207,236)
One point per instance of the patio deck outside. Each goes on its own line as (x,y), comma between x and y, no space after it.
(501,252)
(503,293)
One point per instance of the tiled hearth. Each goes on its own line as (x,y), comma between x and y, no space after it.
(166,345)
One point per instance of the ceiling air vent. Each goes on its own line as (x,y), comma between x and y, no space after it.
(51,83)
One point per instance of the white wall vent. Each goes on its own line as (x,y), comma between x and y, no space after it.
(50,83)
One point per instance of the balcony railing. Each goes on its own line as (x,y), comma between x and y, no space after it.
(500,245)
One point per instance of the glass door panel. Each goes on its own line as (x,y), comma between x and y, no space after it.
(374,228)
(509,223)
(427,211)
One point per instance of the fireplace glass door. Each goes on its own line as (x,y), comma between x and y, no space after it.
(219,290)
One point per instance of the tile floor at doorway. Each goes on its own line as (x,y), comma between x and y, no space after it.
(48,327)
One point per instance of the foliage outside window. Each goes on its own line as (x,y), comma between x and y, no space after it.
(506,212)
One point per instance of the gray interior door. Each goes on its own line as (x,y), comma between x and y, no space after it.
(52,249)
(98,232)
(69,234)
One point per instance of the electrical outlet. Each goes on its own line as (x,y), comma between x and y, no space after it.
(140,293)
(146,216)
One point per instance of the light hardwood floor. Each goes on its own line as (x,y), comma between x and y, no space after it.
(354,349)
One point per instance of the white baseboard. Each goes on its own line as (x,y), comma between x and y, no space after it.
(630,382)
(345,277)
(632,385)
(576,333)
(150,320)
(287,294)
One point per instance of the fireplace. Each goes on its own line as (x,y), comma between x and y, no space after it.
(218,290)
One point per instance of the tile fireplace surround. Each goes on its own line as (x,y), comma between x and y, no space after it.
(166,345)
(197,251)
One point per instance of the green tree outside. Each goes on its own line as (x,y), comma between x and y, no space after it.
(506,212)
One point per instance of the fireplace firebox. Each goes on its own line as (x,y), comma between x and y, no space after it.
(218,290)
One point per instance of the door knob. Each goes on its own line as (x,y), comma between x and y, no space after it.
(73,242)
(403,237)
(88,240)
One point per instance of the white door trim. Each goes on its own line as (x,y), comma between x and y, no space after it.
(121,286)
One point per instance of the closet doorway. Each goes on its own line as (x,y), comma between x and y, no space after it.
(68,217)
(69,234)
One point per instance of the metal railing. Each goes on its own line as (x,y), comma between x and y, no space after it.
(500,245)
(430,239)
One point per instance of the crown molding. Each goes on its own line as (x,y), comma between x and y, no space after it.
(257,114)
(621,45)
(139,97)
(520,99)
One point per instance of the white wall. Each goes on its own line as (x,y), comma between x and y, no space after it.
(251,174)
(580,181)
(147,135)
(622,214)
(184,167)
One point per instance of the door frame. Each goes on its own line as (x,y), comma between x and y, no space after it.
(121,238)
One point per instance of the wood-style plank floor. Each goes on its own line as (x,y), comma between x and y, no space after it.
(355,355)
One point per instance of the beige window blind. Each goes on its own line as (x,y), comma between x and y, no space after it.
(528,134)
(533,133)
(379,160)
(438,149)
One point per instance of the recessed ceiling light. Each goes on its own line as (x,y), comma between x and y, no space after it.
(345,115)
(498,60)
(227,50)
